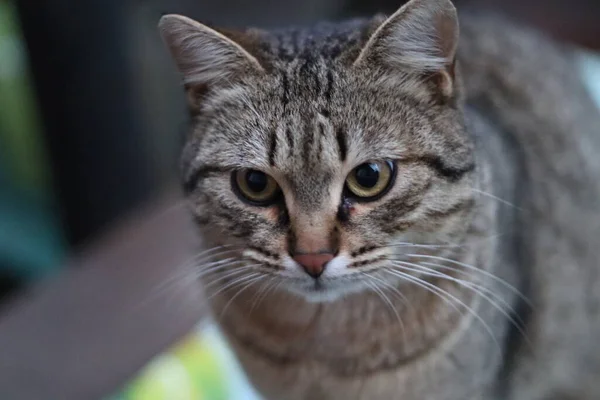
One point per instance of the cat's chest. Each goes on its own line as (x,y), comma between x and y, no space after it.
(437,378)
(459,369)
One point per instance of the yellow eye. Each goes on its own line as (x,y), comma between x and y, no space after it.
(255,186)
(370,180)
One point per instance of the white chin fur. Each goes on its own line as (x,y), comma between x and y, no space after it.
(328,292)
(332,286)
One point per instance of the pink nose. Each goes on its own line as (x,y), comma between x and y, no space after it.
(313,263)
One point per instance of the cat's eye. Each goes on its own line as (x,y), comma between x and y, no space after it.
(371,180)
(255,187)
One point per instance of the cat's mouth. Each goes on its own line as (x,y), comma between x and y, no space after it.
(325,289)
(317,292)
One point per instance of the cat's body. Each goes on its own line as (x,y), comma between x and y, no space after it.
(501,176)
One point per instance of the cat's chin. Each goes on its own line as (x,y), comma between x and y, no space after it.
(325,291)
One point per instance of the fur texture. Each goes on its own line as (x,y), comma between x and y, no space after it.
(475,276)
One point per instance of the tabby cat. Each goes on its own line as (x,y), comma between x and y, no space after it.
(392,210)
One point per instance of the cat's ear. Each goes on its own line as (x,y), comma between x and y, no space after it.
(421,37)
(204,56)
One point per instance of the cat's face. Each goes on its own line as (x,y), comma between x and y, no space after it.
(318,170)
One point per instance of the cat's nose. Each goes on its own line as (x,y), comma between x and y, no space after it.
(313,263)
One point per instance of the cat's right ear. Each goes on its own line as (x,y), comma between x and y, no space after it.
(205,58)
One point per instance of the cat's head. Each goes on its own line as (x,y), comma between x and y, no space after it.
(315,153)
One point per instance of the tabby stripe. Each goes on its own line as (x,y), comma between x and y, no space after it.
(283,220)
(363,250)
(340,136)
(201,220)
(458,207)
(436,163)
(264,252)
(401,206)
(308,142)
(319,146)
(317,80)
(450,173)
(367,262)
(285,86)
(303,70)
(290,138)
(272,148)
(321,129)
(329,86)
(191,182)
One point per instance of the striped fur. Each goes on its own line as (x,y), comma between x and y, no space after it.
(496,118)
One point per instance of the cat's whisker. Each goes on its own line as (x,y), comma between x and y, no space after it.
(247,285)
(183,276)
(487,290)
(477,270)
(441,292)
(392,288)
(445,245)
(273,288)
(228,274)
(501,200)
(192,277)
(185,268)
(469,273)
(479,290)
(216,266)
(236,281)
(425,246)
(206,255)
(210,250)
(187,275)
(180,281)
(387,301)
(259,292)
(262,293)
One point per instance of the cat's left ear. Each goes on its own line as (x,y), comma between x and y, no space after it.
(421,38)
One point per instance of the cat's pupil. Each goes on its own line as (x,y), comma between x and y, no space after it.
(367,175)
(257,181)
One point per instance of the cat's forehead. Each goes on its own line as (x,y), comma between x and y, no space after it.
(308,117)
(303,147)
(325,39)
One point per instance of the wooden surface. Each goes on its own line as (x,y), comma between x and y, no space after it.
(82,335)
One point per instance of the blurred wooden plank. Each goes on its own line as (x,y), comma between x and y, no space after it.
(83,334)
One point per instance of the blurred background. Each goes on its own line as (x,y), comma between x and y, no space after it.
(92,115)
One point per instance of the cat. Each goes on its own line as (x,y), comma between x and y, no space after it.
(391,209)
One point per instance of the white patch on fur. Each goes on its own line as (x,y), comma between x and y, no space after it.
(337,267)
(335,282)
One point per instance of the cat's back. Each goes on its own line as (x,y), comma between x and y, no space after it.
(530,89)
